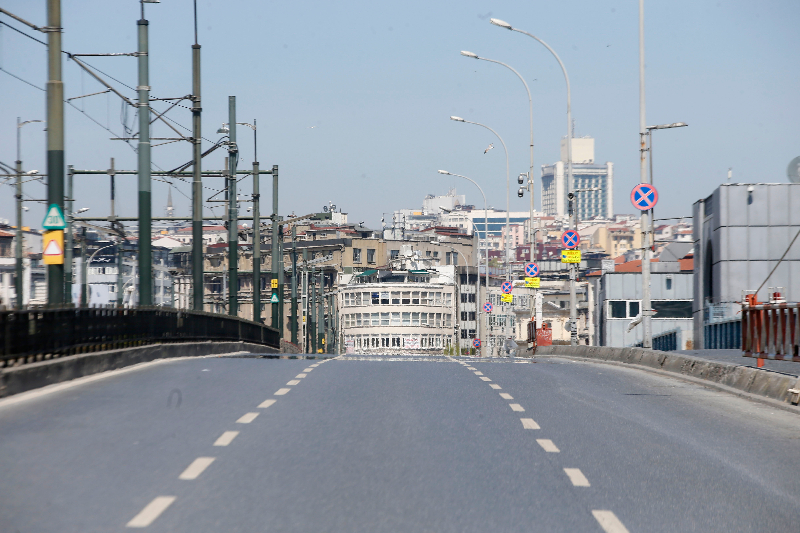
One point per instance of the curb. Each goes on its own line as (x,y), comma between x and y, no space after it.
(755,383)
(14,380)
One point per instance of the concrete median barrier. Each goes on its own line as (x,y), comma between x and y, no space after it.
(726,376)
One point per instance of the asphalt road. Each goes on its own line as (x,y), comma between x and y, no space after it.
(380,445)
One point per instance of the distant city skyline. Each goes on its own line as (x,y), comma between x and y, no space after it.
(353,103)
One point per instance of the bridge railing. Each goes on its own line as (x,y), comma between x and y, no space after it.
(36,334)
(771,331)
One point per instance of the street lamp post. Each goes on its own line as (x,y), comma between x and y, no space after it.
(18,244)
(573,301)
(486,237)
(508,188)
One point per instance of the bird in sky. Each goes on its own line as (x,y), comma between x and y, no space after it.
(490,147)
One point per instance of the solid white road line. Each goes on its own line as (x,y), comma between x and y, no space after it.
(529,423)
(548,445)
(495,386)
(293,382)
(247,418)
(506,396)
(151,511)
(226,438)
(196,468)
(484,378)
(478,373)
(300,376)
(281,392)
(266,403)
(516,407)
(609,522)
(577,477)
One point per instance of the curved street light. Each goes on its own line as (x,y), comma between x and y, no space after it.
(508,188)
(573,301)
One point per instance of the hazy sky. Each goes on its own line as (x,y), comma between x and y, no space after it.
(378,81)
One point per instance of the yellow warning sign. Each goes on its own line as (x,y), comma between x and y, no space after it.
(274,283)
(507,298)
(53,246)
(534,283)
(570,256)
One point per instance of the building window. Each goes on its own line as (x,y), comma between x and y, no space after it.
(356,255)
(424,319)
(395,319)
(435,254)
(376,321)
(668,283)
(415,319)
(464,318)
(384,298)
(395,298)
(633,309)
(376,298)
(406,319)
(427,253)
(415,298)
(384,341)
(407,298)
(463,334)
(472,315)
(617,309)
(371,255)
(672,309)
(394,254)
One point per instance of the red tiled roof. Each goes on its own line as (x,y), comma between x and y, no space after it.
(6,233)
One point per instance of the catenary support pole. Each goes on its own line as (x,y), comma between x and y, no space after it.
(276,260)
(68,249)
(145,184)
(18,244)
(306,323)
(312,318)
(55,138)
(197,178)
(256,244)
(321,311)
(120,270)
(84,270)
(647,339)
(294,284)
(233,213)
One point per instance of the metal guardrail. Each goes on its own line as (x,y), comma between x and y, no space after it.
(771,331)
(723,335)
(37,334)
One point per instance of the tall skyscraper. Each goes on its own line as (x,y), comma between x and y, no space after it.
(586,175)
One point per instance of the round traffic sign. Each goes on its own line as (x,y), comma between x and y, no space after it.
(506,287)
(488,307)
(644,197)
(531,270)
(476,343)
(570,239)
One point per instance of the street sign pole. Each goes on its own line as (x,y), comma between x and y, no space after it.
(55,138)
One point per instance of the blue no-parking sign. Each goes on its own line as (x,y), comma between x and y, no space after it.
(531,270)
(644,197)
(570,239)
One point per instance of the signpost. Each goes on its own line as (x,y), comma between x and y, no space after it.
(53,246)
(476,343)
(507,298)
(570,239)
(274,299)
(488,307)
(507,287)
(644,197)
(533,283)
(570,256)
(54,219)
(531,270)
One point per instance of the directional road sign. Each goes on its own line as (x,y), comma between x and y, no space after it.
(53,246)
(531,270)
(476,343)
(570,239)
(644,197)
(54,219)
(507,287)
(488,307)
(274,283)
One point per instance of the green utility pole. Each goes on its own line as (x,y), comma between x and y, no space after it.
(307,321)
(55,138)
(321,309)
(294,285)
(84,270)
(233,213)
(197,179)
(328,319)
(68,249)
(145,195)
(277,263)
(18,245)
(256,243)
(312,304)
(120,266)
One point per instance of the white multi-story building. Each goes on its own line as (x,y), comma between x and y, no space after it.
(586,174)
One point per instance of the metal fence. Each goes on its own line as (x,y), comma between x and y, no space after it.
(45,333)
(665,342)
(724,335)
(771,331)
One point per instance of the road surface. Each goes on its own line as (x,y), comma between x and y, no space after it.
(394,444)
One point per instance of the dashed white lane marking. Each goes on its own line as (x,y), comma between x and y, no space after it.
(478,373)
(516,407)
(226,438)
(315,365)
(506,396)
(609,522)
(247,418)
(548,445)
(281,392)
(529,423)
(577,477)
(300,376)
(484,378)
(309,369)
(293,382)
(196,468)
(470,368)
(495,386)
(266,403)
(151,511)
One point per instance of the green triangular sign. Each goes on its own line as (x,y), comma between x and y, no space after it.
(54,219)
(274,299)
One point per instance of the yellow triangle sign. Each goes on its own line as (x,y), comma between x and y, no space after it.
(53,248)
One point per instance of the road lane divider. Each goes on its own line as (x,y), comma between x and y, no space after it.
(197,467)
(484,378)
(226,438)
(300,376)
(529,423)
(495,386)
(506,396)
(281,392)
(247,418)
(576,476)
(151,511)
(478,373)
(609,522)
(293,382)
(267,403)
(548,446)
(516,407)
